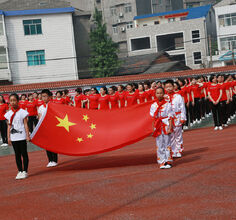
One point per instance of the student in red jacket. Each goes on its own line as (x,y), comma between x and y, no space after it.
(215,93)
(104,99)
(23,101)
(79,97)
(142,95)
(31,108)
(59,99)
(121,95)
(113,98)
(3,124)
(39,100)
(93,98)
(131,97)
(66,97)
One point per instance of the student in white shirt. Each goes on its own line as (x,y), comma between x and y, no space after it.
(18,134)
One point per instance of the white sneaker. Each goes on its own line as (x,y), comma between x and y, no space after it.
(162,166)
(191,124)
(53,164)
(199,121)
(232,117)
(49,164)
(168,166)
(186,127)
(220,128)
(19,176)
(225,125)
(216,128)
(24,175)
(4,145)
(178,155)
(203,118)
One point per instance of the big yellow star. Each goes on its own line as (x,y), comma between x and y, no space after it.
(92,126)
(65,123)
(85,118)
(80,140)
(90,136)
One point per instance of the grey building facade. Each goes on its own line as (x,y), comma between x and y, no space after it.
(197,3)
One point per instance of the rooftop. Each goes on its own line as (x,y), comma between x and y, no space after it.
(114,80)
(193,13)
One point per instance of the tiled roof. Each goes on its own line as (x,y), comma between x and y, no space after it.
(114,80)
(196,12)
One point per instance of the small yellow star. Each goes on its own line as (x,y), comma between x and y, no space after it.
(80,140)
(92,126)
(85,117)
(65,123)
(89,135)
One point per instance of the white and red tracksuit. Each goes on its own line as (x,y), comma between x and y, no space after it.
(178,107)
(162,113)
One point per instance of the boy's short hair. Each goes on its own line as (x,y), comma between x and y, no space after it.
(169,81)
(46,91)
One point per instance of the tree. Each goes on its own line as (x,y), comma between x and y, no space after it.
(103,61)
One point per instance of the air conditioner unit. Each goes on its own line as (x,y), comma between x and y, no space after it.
(123,29)
(119,21)
(121,15)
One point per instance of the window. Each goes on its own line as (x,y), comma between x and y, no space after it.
(171,19)
(156,22)
(128,8)
(228,42)
(36,57)
(1,26)
(227,20)
(32,27)
(196,36)
(113,11)
(144,25)
(3,58)
(115,30)
(197,57)
(140,43)
(129,25)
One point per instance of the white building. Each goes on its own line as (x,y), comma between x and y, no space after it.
(40,44)
(225,12)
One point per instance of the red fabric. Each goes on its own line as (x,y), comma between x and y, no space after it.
(104,102)
(114,101)
(22,104)
(223,87)
(153,93)
(13,115)
(196,90)
(149,95)
(188,90)
(32,108)
(93,101)
(131,99)
(67,100)
(142,97)
(59,101)
(39,102)
(121,98)
(214,91)
(114,129)
(78,100)
(184,94)
(3,109)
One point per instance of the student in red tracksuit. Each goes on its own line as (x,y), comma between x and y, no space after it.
(131,97)
(215,93)
(93,99)
(31,108)
(79,97)
(113,98)
(3,124)
(23,101)
(39,100)
(142,95)
(121,94)
(59,99)
(66,97)
(103,101)
(147,86)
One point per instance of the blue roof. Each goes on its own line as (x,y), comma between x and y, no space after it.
(39,11)
(193,13)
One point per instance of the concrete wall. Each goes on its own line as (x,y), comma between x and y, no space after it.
(57,39)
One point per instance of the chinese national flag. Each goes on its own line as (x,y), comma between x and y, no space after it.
(74,131)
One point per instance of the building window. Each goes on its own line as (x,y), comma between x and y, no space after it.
(140,43)
(3,58)
(227,20)
(36,57)
(196,36)
(113,11)
(171,19)
(115,30)
(32,27)
(1,26)
(130,25)
(156,22)
(128,8)
(197,57)
(228,43)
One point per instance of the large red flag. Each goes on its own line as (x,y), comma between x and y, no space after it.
(73,131)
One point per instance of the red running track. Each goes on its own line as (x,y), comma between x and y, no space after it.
(127,184)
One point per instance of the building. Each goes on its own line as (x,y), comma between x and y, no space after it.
(182,33)
(166,5)
(225,12)
(40,40)
(198,3)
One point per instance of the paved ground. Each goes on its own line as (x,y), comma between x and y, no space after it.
(127,184)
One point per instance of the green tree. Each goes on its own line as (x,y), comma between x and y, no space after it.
(103,61)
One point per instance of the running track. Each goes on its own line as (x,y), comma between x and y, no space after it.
(127,184)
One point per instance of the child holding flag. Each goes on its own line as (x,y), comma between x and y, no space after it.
(162,113)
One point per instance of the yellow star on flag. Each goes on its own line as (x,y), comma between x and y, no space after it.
(80,140)
(85,118)
(92,126)
(89,135)
(65,123)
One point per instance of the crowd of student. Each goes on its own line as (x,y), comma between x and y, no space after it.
(197,97)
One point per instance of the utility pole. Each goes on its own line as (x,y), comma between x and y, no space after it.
(210,48)
(232,49)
